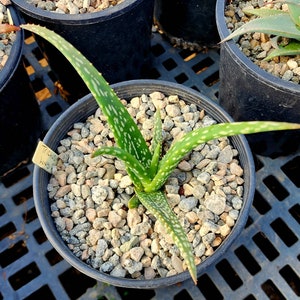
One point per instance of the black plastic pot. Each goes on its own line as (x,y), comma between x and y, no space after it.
(249,93)
(87,106)
(19,110)
(116,40)
(187,23)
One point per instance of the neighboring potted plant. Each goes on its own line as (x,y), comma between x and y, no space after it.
(19,110)
(116,39)
(247,91)
(188,24)
(145,167)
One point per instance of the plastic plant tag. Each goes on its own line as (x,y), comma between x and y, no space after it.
(44,157)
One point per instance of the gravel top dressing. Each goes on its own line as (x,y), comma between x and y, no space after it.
(89,196)
(74,6)
(6,39)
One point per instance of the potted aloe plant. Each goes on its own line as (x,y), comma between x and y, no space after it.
(249,92)
(20,124)
(147,166)
(116,39)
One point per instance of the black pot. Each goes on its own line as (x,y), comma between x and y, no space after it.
(86,107)
(248,92)
(20,124)
(116,40)
(187,23)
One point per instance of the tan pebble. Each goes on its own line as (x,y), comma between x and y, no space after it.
(62,191)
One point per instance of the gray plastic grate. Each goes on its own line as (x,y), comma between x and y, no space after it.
(264,263)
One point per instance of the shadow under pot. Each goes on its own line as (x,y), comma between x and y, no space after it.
(117,40)
(20,123)
(247,92)
(188,24)
(86,107)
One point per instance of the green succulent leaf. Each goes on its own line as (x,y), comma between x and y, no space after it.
(196,137)
(157,204)
(156,144)
(292,48)
(133,202)
(277,24)
(125,131)
(294,11)
(263,12)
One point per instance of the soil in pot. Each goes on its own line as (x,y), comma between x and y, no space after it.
(116,39)
(248,92)
(257,46)
(19,111)
(90,196)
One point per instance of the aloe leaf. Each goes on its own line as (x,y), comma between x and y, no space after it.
(294,11)
(156,144)
(196,137)
(125,131)
(130,161)
(133,202)
(263,12)
(279,24)
(293,48)
(157,204)
(155,161)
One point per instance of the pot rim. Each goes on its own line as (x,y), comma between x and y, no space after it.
(246,63)
(76,19)
(40,177)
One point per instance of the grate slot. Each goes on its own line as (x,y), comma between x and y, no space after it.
(53,257)
(208,288)
(265,246)
(276,187)
(40,236)
(247,260)
(291,278)
(23,196)
(261,205)
(79,283)
(284,232)
(272,291)
(295,212)
(42,293)
(24,276)
(292,169)
(229,274)
(7,230)
(13,253)
(128,294)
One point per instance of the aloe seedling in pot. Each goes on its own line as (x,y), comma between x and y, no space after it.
(148,167)
(274,22)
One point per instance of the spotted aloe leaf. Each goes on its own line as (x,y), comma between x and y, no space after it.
(157,204)
(156,144)
(125,131)
(196,137)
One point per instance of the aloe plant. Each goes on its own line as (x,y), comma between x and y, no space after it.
(147,169)
(275,22)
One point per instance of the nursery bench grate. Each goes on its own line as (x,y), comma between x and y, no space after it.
(264,263)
